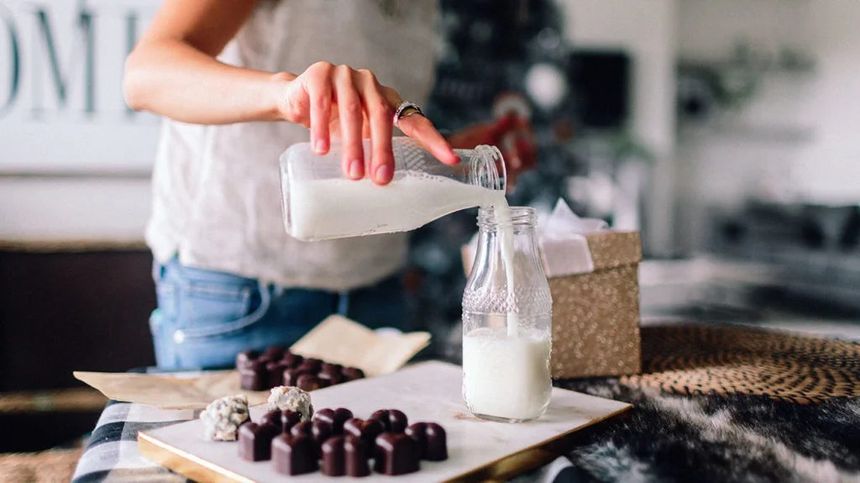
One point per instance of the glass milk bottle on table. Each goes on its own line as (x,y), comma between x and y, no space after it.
(320,203)
(507,312)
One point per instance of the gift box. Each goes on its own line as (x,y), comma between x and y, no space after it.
(595,314)
(593,277)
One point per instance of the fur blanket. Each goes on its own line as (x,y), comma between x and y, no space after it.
(717,438)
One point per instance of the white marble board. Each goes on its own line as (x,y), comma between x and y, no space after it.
(428,391)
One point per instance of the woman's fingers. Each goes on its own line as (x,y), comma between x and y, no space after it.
(351,116)
(364,109)
(379,114)
(422,130)
(318,86)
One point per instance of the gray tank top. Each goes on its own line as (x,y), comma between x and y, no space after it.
(216,188)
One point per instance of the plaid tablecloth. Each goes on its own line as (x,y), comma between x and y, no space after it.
(111,453)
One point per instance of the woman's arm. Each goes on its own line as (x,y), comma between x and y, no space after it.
(173,72)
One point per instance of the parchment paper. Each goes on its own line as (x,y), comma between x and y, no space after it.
(335,339)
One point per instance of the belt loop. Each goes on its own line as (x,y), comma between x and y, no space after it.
(158,270)
(343,303)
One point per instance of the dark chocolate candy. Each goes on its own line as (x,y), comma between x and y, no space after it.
(244,359)
(289,419)
(275,373)
(283,420)
(318,431)
(255,441)
(365,429)
(309,382)
(431,439)
(294,455)
(345,455)
(395,454)
(352,373)
(292,360)
(311,364)
(291,376)
(335,417)
(357,454)
(393,420)
(331,378)
(330,368)
(274,352)
(273,418)
(253,377)
(333,457)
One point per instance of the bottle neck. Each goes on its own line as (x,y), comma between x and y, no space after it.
(483,166)
(515,226)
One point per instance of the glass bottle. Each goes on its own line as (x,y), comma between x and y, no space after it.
(507,317)
(320,203)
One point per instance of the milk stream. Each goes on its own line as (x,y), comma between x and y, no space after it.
(506,249)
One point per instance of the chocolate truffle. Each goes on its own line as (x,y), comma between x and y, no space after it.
(255,441)
(352,373)
(431,440)
(292,398)
(395,454)
(318,431)
(393,420)
(253,375)
(294,455)
(365,429)
(357,454)
(335,417)
(223,417)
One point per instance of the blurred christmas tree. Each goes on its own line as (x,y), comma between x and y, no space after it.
(492,50)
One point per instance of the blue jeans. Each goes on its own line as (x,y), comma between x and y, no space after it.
(205,317)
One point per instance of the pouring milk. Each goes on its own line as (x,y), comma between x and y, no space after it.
(319,203)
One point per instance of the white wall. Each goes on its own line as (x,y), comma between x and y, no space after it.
(797,140)
(73,210)
(42,137)
(646,29)
(88,131)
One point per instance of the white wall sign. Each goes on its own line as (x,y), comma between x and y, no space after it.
(61,105)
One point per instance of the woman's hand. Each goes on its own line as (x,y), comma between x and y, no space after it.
(513,136)
(342,102)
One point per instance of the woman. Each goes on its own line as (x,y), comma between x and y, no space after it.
(238,82)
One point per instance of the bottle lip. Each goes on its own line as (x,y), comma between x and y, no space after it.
(493,173)
(520,216)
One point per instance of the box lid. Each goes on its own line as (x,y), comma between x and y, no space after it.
(610,249)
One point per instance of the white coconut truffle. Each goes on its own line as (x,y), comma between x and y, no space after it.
(223,416)
(292,398)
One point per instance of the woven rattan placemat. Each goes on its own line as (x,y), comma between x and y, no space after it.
(47,466)
(699,359)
